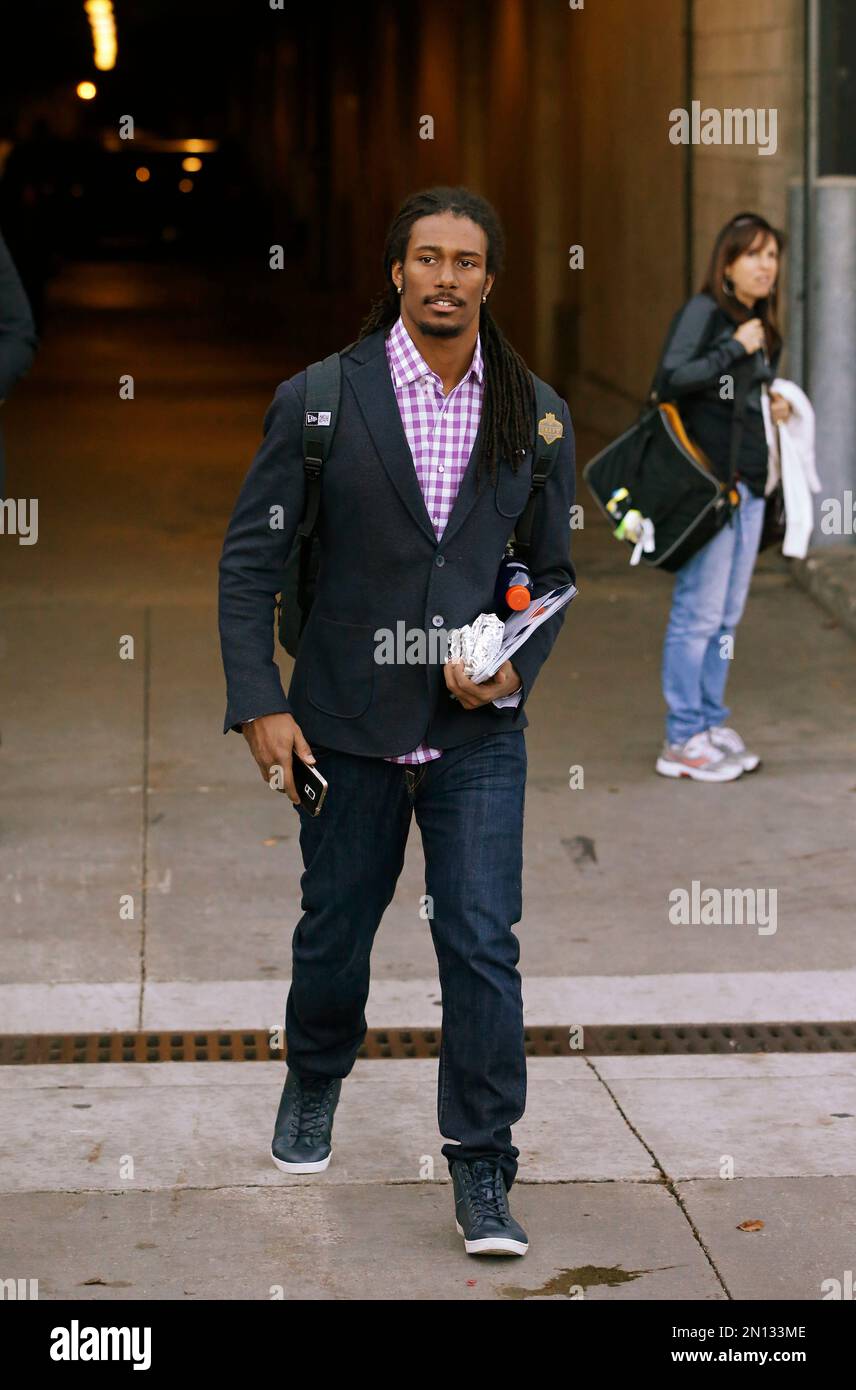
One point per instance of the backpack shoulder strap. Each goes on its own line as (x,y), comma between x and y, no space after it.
(548,432)
(320,416)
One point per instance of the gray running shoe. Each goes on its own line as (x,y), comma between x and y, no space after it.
(728,741)
(699,759)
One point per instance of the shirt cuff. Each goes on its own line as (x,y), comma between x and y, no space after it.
(507,701)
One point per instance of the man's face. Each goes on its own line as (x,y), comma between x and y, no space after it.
(443,275)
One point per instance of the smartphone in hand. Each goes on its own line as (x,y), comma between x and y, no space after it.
(311,787)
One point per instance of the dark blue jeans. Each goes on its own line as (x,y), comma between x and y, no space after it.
(469,809)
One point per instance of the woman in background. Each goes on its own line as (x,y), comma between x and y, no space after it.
(726,342)
(17,336)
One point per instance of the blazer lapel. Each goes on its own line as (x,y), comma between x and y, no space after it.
(372,386)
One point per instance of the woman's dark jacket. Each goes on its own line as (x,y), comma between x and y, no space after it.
(701,351)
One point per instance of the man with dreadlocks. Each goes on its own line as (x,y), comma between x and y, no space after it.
(433,398)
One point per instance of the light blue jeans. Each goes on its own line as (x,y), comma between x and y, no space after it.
(707,604)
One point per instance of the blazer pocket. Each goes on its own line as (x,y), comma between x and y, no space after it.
(340,668)
(512,489)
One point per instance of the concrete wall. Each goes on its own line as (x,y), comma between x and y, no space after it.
(561,117)
(747,56)
(642,206)
(626,72)
(562,121)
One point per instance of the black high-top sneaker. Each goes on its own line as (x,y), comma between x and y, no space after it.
(304,1123)
(481,1209)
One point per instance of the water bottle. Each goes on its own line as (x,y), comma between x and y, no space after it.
(514,586)
(629,518)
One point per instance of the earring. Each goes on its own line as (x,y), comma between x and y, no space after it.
(399,289)
(728,285)
(484,299)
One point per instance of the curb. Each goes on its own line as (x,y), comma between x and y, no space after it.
(829,576)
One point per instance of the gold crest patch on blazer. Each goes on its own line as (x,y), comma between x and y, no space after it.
(549,428)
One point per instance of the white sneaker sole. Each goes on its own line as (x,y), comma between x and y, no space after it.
(751,763)
(301,1167)
(492,1245)
(666,768)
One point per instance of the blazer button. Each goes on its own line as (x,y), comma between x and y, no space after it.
(440,560)
(437,620)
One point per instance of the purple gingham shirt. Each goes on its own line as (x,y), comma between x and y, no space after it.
(441,431)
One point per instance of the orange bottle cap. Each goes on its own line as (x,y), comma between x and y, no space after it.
(518,597)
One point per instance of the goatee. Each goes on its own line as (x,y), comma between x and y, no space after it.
(441,330)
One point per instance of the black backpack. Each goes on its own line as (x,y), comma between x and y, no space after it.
(321,412)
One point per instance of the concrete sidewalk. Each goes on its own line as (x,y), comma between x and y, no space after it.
(127,1181)
(155,1182)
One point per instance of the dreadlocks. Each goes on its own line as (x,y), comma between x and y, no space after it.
(509,397)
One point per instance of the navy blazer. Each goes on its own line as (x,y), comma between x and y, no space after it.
(381,564)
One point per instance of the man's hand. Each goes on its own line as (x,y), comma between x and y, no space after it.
(505,682)
(272,739)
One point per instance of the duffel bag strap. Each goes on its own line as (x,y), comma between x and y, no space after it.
(738,420)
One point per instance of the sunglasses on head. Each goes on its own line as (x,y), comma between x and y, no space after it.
(757,221)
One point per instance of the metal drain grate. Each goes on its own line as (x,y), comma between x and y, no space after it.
(682,1038)
(248,1045)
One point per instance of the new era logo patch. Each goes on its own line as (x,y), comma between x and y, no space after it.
(318,417)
